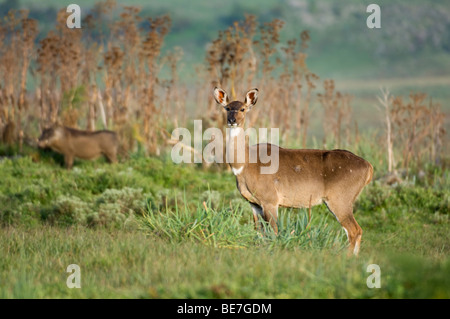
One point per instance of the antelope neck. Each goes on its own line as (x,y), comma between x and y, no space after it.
(237,150)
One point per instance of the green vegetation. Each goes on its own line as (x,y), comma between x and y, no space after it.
(149,228)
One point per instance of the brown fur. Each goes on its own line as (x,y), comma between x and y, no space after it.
(304,177)
(80,144)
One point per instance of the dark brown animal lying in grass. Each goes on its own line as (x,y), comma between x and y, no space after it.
(81,144)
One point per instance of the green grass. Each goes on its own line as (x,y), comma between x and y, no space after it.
(126,264)
(147,228)
(233,228)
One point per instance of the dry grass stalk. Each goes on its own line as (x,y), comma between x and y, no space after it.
(18,33)
(337,114)
(247,55)
(417,129)
(386,100)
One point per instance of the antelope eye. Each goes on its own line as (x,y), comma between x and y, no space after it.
(242,110)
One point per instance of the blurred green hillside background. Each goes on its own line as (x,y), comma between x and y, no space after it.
(414,40)
(411,51)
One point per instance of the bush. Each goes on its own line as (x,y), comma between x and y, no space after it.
(127,199)
(108,214)
(68,210)
(113,207)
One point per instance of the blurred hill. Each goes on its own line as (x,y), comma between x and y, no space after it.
(414,39)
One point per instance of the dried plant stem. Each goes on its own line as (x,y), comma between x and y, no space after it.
(385,101)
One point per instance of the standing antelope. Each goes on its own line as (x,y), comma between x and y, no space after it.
(304,177)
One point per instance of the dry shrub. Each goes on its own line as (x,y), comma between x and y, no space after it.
(337,115)
(415,129)
(105,75)
(17,35)
(92,78)
(418,130)
(247,55)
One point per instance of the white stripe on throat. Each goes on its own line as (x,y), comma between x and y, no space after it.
(237,171)
(234,131)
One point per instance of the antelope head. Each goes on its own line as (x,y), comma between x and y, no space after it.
(236,110)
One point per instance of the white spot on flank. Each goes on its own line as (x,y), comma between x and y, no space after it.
(237,171)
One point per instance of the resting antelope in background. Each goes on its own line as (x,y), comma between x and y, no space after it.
(304,177)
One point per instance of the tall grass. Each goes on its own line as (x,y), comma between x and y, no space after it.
(234,228)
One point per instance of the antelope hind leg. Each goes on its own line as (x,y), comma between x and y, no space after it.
(344,215)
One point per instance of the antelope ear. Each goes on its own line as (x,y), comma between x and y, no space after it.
(251,97)
(221,96)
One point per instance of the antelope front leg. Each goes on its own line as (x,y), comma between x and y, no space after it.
(270,214)
(257,211)
(68,160)
(111,157)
